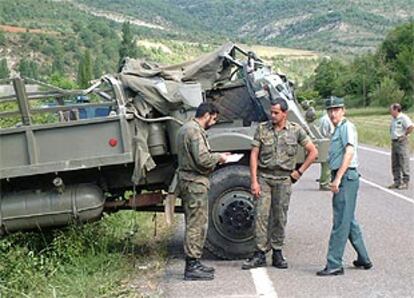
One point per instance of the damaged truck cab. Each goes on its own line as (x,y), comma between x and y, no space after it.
(57,168)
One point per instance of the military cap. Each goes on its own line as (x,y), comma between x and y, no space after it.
(334,102)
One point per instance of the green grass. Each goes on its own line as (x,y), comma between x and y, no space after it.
(115,257)
(373,126)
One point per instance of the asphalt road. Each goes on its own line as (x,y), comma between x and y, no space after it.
(387,220)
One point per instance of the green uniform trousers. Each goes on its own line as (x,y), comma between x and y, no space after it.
(195,201)
(345,225)
(325,176)
(400,161)
(271,213)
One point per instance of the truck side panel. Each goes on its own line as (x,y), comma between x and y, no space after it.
(78,141)
(13,151)
(69,146)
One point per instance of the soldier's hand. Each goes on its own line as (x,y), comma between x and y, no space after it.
(334,185)
(295,175)
(223,157)
(255,189)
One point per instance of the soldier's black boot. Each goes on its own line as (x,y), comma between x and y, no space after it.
(258,260)
(194,270)
(278,260)
(207,268)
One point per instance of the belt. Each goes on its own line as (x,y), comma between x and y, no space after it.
(349,169)
(275,172)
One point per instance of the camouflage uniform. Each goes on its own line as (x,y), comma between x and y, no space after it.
(195,163)
(276,161)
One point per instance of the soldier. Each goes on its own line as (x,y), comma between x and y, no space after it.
(195,163)
(273,154)
(326,128)
(401,127)
(343,162)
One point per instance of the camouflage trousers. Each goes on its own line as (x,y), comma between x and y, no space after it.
(195,201)
(325,177)
(271,213)
(400,161)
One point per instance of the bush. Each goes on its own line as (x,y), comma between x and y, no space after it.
(91,260)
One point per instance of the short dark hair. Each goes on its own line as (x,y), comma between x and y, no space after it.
(206,107)
(396,107)
(281,102)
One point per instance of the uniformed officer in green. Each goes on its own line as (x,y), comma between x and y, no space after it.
(272,169)
(401,127)
(195,163)
(343,162)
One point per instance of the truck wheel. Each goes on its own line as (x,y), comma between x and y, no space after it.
(231,214)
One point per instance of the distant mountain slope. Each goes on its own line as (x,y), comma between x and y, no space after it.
(332,26)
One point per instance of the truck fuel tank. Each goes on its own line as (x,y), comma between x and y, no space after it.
(26,210)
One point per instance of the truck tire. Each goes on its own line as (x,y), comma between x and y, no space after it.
(231,214)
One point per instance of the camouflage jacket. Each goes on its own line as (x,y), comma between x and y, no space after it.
(195,160)
(278,148)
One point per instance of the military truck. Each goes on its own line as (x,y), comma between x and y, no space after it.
(57,168)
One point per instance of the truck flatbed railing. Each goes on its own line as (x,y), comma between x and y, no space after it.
(25,103)
(55,130)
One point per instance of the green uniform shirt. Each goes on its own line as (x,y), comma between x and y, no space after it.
(344,134)
(195,160)
(399,126)
(278,148)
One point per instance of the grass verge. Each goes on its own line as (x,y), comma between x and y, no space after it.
(373,125)
(122,255)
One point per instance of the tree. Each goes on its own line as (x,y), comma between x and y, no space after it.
(128,46)
(58,66)
(396,40)
(387,92)
(98,66)
(85,70)
(4,69)
(397,51)
(362,77)
(404,66)
(327,78)
(28,69)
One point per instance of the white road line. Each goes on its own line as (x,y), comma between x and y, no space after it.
(410,200)
(378,151)
(263,284)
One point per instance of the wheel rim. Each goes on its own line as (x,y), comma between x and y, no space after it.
(233,215)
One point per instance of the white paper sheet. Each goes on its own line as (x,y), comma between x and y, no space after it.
(234,157)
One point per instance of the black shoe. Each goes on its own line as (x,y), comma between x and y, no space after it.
(278,260)
(194,271)
(359,264)
(206,268)
(330,272)
(258,260)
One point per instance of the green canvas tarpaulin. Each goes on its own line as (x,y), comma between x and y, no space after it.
(156,87)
